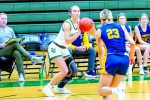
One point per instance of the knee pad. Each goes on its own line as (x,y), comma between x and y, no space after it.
(72,66)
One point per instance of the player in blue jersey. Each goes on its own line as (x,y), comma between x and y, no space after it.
(122,20)
(114,37)
(142,31)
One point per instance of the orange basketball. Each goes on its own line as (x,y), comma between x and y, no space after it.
(86,24)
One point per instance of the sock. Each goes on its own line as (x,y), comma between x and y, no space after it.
(130,65)
(115,91)
(63,82)
(145,65)
(48,85)
(140,66)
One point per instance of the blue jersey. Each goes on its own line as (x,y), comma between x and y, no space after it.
(114,38)
(145,35)
(78,41)
(128,28)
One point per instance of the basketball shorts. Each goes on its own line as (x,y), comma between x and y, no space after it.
(117,64)
(55,51)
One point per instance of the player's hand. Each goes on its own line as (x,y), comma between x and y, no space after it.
(132,60)
(81,48)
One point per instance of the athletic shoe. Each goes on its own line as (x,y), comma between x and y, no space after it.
(61,90)
(91,74)
(48,91)
(36,60)
(145,70)
(21,77)
(141,72)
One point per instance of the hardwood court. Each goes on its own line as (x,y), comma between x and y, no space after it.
(137,88)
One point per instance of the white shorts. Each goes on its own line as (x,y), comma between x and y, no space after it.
(55,51)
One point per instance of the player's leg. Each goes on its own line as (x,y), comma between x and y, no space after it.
(146,50)
(56,57)
(104,89)
(72,70)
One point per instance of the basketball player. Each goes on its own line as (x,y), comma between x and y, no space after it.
(122,20)
(117,63)
(59,54)
(142,31)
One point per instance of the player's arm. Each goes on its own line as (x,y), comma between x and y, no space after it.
(131,33)
(66,28)
(99,46)
(132,45)
(138,35)
(85,40)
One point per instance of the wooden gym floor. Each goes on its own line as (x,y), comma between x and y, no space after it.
(137,88)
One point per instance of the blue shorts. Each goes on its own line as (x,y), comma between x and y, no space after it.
(117,64)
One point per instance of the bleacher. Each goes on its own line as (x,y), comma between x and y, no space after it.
(28,16)
(46,16)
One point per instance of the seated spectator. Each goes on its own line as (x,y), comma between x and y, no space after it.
(142,32)
(14,49)
(122,19)
(81,46)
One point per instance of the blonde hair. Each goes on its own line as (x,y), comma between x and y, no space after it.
(3,14)
(106,16)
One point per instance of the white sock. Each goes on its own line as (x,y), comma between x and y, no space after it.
(145,65)
(48,86)
(141,66)
(130,66)
(115,91)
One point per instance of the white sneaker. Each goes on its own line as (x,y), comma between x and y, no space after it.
(141,71)
(121,94)
(61,90)
(48,91)
(36,60)
(21,77)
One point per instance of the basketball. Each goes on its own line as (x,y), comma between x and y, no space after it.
(86,24)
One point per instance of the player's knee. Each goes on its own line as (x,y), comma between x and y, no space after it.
(64,72)
(72,66)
